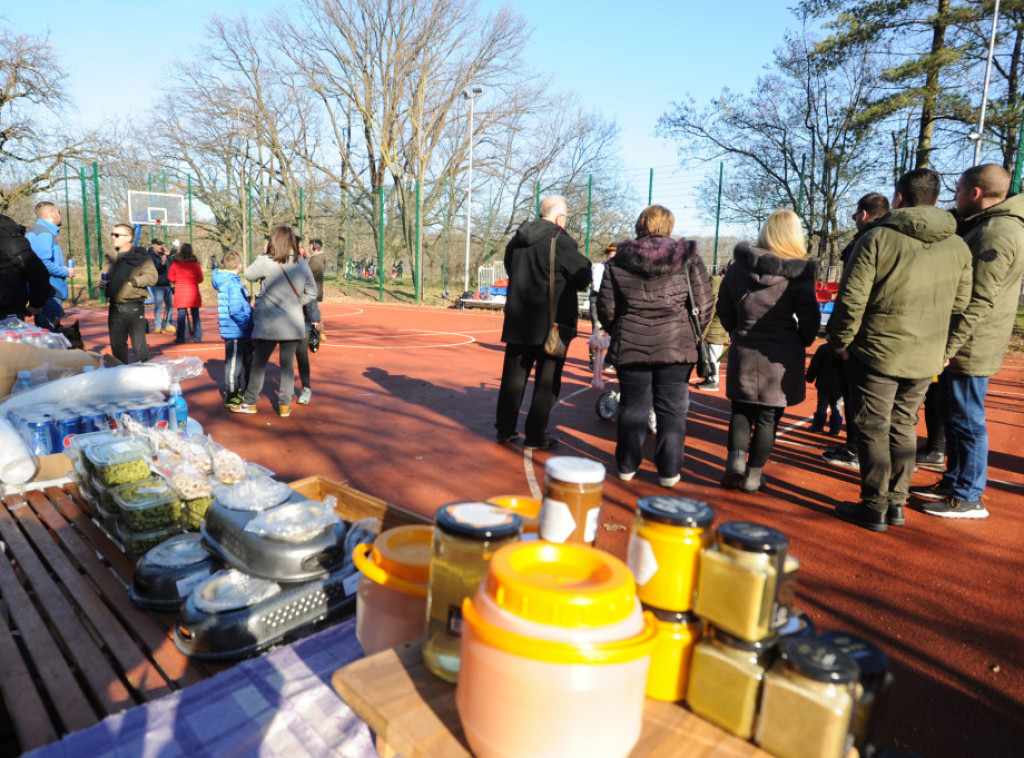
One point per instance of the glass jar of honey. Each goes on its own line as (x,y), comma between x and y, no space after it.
(572,500)
(808,700)
(745,582)
(466,534)
(874,681)
(725,680)
(664,549)
(678,634)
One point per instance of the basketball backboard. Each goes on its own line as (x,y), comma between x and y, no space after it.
(156,209)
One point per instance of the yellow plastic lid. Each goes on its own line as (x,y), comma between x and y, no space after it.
(404,552)
(561,584)
(526,507)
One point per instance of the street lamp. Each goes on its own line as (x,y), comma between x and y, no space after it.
(470,93)
(976,137)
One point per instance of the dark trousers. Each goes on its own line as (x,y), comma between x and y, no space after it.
(752,430)
(666,388)
(547,383)
(260,357)
(826,403)
(851,412)
(197,328)
(934,423)
(124,321)
(237,365)
(302,358)
(887,444)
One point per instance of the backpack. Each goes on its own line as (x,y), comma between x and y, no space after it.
(13,243)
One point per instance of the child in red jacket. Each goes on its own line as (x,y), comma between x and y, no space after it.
(185,273)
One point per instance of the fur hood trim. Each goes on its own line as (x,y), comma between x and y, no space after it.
(762,263)
(654,256)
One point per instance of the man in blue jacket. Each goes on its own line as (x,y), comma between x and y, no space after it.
(43,239)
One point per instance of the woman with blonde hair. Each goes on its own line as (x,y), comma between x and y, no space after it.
(766,302)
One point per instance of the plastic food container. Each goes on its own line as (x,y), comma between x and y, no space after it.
(725,680)
(678,634)
(120,461)
(466,534)
(527,508)
(224,532)
(391,602)
(148,505)
(77,444)
(166,575)
(664,549)
(874,681)
(808,700)
(137,544)
(555,652)
(572,500)
(233,615)
(745,584)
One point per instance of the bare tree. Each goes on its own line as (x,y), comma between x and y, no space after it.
(35,136)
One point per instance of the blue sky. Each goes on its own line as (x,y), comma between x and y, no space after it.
(627,60)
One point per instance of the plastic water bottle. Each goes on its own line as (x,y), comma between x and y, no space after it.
(179,406)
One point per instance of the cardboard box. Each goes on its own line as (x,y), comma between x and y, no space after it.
(15,358)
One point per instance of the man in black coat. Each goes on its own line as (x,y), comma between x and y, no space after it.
(527,323)
(23,277)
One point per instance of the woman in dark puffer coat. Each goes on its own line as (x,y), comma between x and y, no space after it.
(643,304)
(767,304)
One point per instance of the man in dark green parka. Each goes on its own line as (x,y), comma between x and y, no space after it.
(905,279)
(993,228)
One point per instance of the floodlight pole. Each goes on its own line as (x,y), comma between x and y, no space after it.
(470,93)
(978,136)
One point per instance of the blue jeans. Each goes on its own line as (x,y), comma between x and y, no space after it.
(161,306)
(53,309)
(197,328)
(666,388)
(962,402)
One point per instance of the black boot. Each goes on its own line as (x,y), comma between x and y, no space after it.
(818,425)
(835,424)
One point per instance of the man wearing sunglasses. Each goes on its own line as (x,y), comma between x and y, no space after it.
(127,272)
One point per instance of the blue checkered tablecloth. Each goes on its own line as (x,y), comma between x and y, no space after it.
(280,705)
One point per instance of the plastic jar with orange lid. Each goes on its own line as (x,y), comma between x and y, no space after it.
(391,599)
(554,642)
(572,499)
(664,549)
(527,508)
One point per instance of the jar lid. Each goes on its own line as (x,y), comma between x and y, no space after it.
(569,468)
(475,520)
(526,507)
(404,552)
(799,624)
(751,537)
(729,640)
(869,657)
(561,584)
(673,617)
(818,660)
(676,511)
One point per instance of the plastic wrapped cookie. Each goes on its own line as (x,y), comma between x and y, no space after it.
(228,467)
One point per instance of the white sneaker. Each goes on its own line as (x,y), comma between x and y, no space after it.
(669,481)
(627,477)
(304,396)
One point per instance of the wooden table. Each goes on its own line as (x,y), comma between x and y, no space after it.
(414,711)
(72,648)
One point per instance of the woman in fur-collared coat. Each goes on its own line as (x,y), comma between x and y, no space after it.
(643,304)
(766,302)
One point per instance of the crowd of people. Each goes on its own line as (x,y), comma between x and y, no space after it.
(927,298)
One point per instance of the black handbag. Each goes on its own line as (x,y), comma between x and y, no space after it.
(314,340)
(705,366)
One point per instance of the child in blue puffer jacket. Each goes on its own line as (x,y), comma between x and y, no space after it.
(234,317)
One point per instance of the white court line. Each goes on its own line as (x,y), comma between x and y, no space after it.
(531,477)
(1006,484)
(372,346)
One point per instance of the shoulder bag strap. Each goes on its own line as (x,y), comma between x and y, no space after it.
(551,283)
(693,310)
(290,282)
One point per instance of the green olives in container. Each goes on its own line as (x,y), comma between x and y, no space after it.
(148,505)
(120,461)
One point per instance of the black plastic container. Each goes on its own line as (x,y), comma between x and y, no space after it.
(166,575)
(292,612)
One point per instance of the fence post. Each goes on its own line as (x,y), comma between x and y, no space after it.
(85,233)
(650,188)
(380,245)
(444,239)
(99,218)
(536,197)
(190,240)
(590,196)
(1018,161)
(800,193)
(718,216)
(418,284)
(248,213)
(302,212)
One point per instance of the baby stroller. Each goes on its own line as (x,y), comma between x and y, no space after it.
(607,404)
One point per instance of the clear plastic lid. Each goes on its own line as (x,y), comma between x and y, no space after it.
(178,552)
(568,468)
(148,493)
(117,451)
(80,442)
(254,494)
(293,522)
(131,538)
(230,589)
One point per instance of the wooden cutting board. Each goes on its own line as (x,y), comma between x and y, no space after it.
(414,711)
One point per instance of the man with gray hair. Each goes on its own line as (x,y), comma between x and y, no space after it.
(528,258)
(43,239)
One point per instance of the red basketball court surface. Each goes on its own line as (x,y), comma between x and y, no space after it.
(403,408)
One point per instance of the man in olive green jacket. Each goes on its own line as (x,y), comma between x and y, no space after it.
(993,228)
(905,279)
